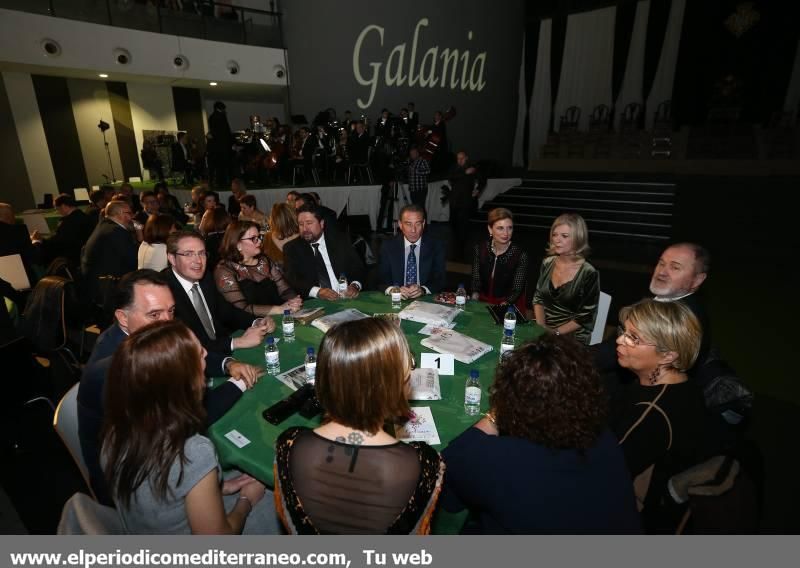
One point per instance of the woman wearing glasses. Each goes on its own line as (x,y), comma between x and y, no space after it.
(248,279)
(659,418)
(568,289)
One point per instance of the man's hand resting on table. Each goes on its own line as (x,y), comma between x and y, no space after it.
(411,292)
(244,372)
(352,291)
(328,294)
(254,336)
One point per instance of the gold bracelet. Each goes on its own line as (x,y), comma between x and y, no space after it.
(490,417)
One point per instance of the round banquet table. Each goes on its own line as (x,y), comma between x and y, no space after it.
(256,458)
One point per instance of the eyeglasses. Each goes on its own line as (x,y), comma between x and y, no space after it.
(631,340)
(254,240)
(193,254)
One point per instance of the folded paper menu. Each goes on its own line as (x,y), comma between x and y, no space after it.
(426,312)
(420,428)
(425,385)
(307,315)
(464,348)
(326,322)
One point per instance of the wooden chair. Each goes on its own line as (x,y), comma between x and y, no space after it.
(570,119)
(600,119)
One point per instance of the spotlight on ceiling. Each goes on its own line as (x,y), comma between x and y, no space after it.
(103,75)
(213,84)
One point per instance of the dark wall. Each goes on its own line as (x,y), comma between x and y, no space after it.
(322,39)
(15,186)
(61,133)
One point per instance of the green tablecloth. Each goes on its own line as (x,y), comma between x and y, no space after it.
(257,457)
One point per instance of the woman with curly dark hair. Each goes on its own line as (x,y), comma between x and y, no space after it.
(542,460)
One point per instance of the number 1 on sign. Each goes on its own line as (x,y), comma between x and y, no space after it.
(444,362)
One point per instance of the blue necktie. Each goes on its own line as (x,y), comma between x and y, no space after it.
(411,267)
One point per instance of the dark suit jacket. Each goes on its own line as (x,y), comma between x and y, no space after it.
(91,402)
(300,266)
(14,239)
(431,269)
(69,237)
(225,316)
(111,251)
(357,147)
(179,161)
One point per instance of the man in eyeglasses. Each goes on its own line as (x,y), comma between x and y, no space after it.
(197,302)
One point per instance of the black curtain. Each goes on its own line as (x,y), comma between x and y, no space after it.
(654,43)
(531,52)
(717,68)
(557,41)
(623,30)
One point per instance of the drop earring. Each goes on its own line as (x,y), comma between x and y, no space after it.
(655,375)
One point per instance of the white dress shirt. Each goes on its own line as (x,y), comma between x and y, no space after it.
(323,250)
(187,287)
(406,248)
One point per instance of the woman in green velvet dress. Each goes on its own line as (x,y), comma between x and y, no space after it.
(568,288)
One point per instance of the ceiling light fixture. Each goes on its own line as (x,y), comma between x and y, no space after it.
(213,84)
(103,75)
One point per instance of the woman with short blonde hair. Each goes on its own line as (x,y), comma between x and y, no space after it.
(568,288)
(349,476)
(659,418)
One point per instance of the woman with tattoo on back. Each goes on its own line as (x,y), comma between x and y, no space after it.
(349,476)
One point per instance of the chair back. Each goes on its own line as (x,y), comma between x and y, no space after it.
(570,119)
(65,422)
(83,515)
(603,304)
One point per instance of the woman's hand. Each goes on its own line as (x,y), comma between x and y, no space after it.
(253,491)
(294,304)
(235,484)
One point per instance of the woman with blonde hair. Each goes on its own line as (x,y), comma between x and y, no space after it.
(349,476)
(283,228)
(659,418)
(568,289)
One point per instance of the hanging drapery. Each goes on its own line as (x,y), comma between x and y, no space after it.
(654,43)
(623,37)
(558,36)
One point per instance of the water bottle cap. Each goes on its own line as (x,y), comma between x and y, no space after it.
(510,309)
(508,332)
(270,340)
(310,350)
(473,374)
(341,275)
(461,285)
(286,312)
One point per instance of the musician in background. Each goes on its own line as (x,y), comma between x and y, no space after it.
(418,172)
(182,158)
(150,159)
(413,117)
(358,145)
(238,190)
(382,125)
(347,121)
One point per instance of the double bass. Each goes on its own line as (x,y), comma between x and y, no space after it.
(429,140)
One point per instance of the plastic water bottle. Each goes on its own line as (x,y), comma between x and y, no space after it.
(396,297)
(510,320)
(272,357)
(461,297)
(507,343)
(472,394)
(311,365)
(288,326)
(342,285)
